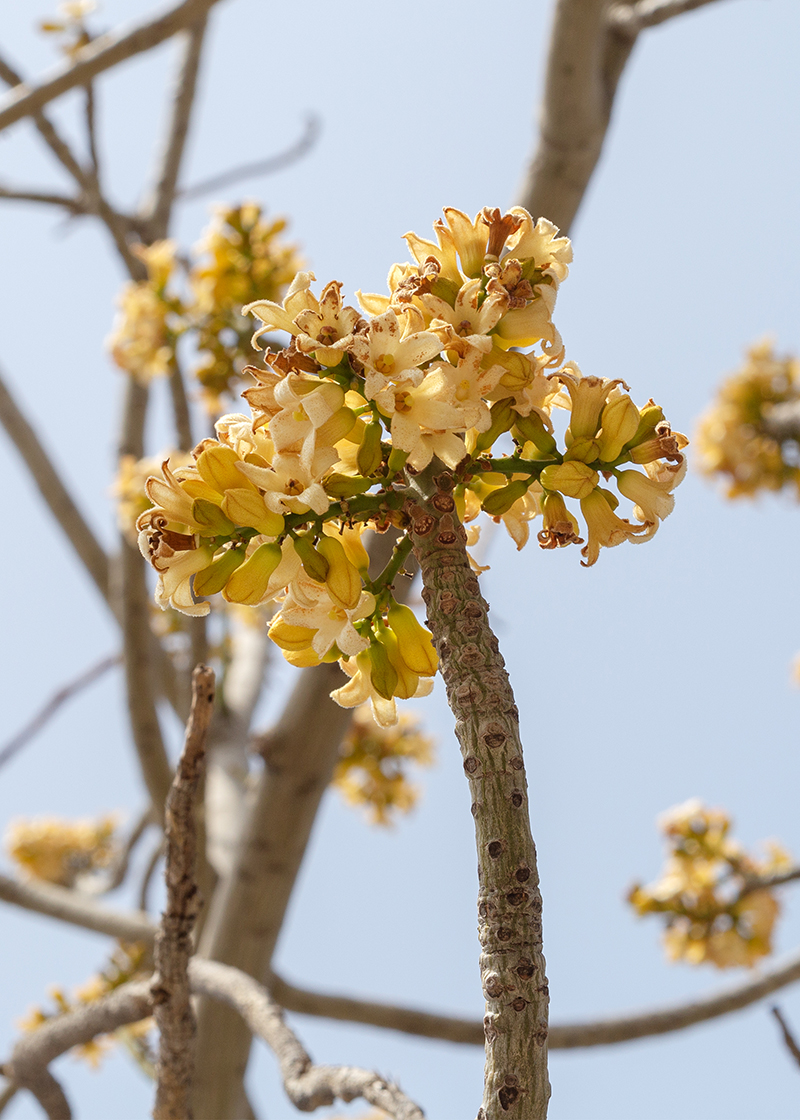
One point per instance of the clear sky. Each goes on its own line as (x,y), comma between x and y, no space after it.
(661,674)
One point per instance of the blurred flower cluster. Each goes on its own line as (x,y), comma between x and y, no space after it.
(240,258)
(361,401)
(129,961)
(709,891)
(373,762)
(738,437)
(60,851)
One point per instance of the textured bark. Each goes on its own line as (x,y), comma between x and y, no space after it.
(173,947)
(487,725)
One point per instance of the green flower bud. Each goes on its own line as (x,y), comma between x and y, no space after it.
(370,454)
(211,519)
(314,563)
(213,578)
(500,501)
(574,479)
(531,429)
(503,416)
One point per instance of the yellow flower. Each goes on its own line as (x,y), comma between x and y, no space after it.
(605,529)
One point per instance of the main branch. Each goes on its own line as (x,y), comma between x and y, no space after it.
(487,725)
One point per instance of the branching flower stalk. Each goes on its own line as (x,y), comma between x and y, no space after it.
(420,414)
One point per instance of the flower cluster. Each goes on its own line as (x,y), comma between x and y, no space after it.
(129,961)
(735,438)
(61,851)
(241,258)
(372,765)
(708,891)
(359,403)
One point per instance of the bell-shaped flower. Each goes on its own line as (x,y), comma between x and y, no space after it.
(605,529)
(330,323)
(276,316)
(309,604)
(360,689)
(389,355)
(540,242)
(476,311)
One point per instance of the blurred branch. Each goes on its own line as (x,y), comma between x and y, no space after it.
(119,869)
(46,713)
(105,51)
(769,881)
(788,1037)
(633,18)
(149,871)
(36,1049)
(76,909)
(91,128)
(180,408)
(248,910)
(156,213)
(58,499)
(173,945)
(73,205)
(590,44)
(257,168)
(307,1086)
(7,1095)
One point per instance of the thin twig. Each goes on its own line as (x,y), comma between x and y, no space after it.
(259,167)
(121,865)
(7,1095)
(77,909)
(73,205)
(59,500)
(170,987)
(156,213)
(788,1037)
(91,127)
(57,701)
(633,18)
(105,51)
(149,872)
(307,1086)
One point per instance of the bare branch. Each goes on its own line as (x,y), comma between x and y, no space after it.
(788,1037)
(35,1050)
(102,53)
(46,713)
(58,499)
(170,986)
(7,1095)
(73,205)
(633,18)
(77,909)
(308,1086)
(91,128)
(156,213)
(258,167)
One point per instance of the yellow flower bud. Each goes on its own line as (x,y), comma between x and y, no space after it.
(583,450)
(314,563)
(211,520)
(213,578)
(217,467)
(343,580)
(381,671)
(354,548)
(247,507)
(370,454)
(503,416)
(338,427)
(498,502)
(248,584)
(346,485)
(620,422)
(302,658)
(574,479)
(531,429)
(415,642)
(292,638)
(407,679)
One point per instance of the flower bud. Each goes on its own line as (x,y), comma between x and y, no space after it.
(620,422)
(574,479)
(211,520)
(213,578)
(338,427)
(583,450)
(407,679)
(532,430)
(314,563)
(415,642)
(397,459)
(343,580)
(248,584)
(292,638)
(370,454)
(500,501)
(503,416)
(217,467)
(247,507)
(346,485)
(382,673)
